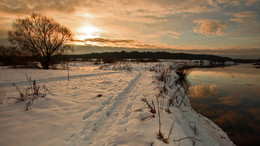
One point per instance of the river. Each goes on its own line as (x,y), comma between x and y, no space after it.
(230,97)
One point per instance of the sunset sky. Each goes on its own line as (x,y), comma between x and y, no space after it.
(222,27)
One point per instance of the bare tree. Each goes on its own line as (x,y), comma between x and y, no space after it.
(40,36)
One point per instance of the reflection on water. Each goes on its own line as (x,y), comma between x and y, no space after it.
(203,90)
(230,97)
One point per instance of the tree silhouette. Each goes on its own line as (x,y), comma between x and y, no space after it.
(40,36)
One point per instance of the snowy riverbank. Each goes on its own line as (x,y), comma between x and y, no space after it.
(108,106)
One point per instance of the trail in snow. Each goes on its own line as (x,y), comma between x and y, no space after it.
(61,78)
(110,113)
(117,117)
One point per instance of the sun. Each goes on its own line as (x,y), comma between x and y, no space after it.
(87,32)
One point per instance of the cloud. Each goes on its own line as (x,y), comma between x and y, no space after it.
(118,43)
(203,91)
(208,27)
(29,6)
(3,33)
(229,2)
(236,2)
(172,34)
(103,40)
(148,23)
(250,2)
(242,17)
(134,7)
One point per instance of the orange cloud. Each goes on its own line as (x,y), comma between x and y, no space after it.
(154,24)
(124,43)
(242,17)
(29,6)
(116,43)
(208,27)
(144,8)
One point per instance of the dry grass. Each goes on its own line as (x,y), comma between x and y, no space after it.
(177,99)
(150,104)
(192,139)
(31,92)
(183,72)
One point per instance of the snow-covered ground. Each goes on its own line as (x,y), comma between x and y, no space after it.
(103,107)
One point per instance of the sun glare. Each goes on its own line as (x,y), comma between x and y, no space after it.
(87,32)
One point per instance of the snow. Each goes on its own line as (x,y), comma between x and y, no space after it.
(102,107)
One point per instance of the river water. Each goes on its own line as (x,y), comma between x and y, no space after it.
(230,97)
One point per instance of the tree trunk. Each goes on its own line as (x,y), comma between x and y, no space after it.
(45,62)
(44,65)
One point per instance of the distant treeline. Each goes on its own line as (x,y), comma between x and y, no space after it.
(257,61)
(148,55)
(11,58)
